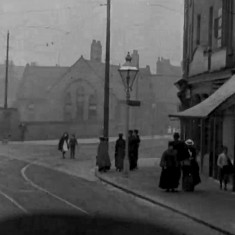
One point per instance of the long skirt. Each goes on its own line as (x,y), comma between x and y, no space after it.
(168,178)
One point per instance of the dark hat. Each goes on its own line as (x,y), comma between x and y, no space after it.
(136,131)
(171,143)
(176,135)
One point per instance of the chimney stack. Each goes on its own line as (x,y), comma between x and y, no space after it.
(96,51)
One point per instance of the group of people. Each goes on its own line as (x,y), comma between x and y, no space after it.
(103,160)
(66,143)
(133,150)
(179,159)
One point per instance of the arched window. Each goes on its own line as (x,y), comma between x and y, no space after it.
(80,101)
(92,108)
(67,107)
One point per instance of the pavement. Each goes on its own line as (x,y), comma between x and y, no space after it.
(34,179)
(208,205)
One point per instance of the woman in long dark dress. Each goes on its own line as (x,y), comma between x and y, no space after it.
(192,168)
(119,152)
(102,158)
(168,178)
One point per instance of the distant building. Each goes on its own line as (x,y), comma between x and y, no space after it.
(15,74)
(206,90)
(52,100)
(164,67)
(165,95)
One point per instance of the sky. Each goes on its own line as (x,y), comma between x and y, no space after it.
(59,32)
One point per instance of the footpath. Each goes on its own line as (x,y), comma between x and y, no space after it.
(207,204)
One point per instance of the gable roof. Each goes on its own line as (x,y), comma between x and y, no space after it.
(37,80)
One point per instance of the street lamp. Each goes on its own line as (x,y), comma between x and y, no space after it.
(128,74)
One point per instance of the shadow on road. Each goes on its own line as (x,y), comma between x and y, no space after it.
(61,224)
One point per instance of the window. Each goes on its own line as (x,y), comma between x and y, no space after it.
(218,28)
(92,109)
(80,101)
(67,107)
(198,29)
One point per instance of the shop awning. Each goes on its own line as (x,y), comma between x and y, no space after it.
(206,107)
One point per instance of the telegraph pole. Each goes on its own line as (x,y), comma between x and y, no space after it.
(107,66)
(6,78)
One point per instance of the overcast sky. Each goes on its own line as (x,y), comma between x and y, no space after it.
(59,32)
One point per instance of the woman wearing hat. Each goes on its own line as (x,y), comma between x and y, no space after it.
(119,152)
(102,158)
(191,176)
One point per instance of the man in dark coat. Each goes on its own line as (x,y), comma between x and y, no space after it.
(131,146)
(72,145)
(119,152)
(168,179)
(136,148)
(181,153)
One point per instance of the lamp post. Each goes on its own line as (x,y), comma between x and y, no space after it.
(128,74)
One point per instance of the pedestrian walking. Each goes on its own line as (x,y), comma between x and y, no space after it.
(194,167)
(119,153)
(168,163)
(131,145)
(102,158)
(136,148)
(63,145)
(181,152)
(73,143)
(225,167)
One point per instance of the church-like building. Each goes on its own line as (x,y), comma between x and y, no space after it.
(46,101)
(52,100)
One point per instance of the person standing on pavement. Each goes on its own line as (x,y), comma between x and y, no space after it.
(195,171)
(136,148)
(102,158)
(119,153)
(181,151)
(168,163)
(225,167)
(64,144)
(73,143)
(131,149)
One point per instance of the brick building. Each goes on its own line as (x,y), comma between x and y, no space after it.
(206,90)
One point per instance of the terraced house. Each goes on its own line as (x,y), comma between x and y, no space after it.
(207,88)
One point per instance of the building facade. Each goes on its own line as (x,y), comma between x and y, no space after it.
(52,100)
(206,90)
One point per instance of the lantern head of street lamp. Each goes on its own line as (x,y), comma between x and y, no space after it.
(128,72)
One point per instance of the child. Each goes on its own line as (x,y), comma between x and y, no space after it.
(72,144)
